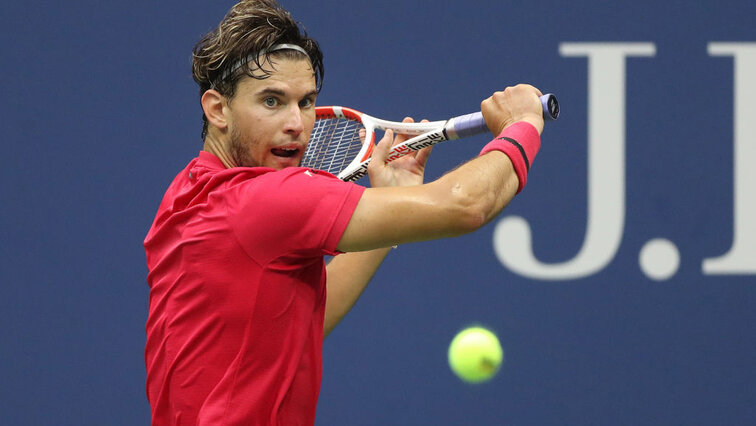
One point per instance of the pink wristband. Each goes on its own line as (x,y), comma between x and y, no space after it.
(520,142)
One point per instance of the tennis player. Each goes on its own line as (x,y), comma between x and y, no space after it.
(240,295)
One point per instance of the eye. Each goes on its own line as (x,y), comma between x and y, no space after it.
(306,102)
(270,102)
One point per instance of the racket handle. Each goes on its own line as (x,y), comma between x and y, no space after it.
(473,124)
(467,125)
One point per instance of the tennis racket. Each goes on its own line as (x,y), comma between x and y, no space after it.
(342,140)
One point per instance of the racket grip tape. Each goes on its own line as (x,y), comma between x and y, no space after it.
(520,142)
(473,124)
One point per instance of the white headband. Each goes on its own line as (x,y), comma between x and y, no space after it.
(252,56)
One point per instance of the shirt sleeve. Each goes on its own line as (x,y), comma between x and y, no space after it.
(295,210)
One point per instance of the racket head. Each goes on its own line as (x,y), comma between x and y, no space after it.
(337,145)
(341,138)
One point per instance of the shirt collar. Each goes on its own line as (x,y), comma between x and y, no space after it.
(209,160)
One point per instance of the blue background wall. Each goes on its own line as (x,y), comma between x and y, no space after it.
(99,112)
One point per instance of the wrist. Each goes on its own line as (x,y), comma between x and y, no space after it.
(520,142)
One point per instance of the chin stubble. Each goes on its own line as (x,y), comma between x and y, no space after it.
(239,153)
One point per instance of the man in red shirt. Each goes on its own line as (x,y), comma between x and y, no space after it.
(240,295)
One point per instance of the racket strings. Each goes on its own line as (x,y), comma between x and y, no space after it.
(334,143)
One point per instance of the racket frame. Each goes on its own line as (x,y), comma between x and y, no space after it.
(424,135)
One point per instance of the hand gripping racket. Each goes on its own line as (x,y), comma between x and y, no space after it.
(338,146)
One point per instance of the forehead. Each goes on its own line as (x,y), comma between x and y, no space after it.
(281,73)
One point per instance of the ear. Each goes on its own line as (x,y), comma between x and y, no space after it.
(213,104)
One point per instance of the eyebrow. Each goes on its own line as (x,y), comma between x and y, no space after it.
(279,92)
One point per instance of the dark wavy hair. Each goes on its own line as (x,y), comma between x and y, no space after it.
(250,26)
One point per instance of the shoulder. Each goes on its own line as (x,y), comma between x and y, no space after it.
(292,184)
(291,178)
(290,208)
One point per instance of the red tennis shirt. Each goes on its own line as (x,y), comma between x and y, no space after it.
(237,293)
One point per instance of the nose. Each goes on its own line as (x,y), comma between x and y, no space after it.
(294,124)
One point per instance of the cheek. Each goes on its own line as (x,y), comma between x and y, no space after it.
(249,120)
(309,121)
(252,132)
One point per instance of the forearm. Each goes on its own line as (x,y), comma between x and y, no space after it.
(458,203)
(503,162)
(480,189)
(347,277)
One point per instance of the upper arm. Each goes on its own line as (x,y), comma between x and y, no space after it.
(290,210)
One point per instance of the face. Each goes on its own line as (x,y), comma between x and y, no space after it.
(271,119)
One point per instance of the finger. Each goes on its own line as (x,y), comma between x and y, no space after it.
(416,153)
(489,109)
(381,151)
(401,138)
(530,88)
(535,89)
(422,156)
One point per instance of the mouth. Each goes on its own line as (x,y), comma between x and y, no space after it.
(285,152)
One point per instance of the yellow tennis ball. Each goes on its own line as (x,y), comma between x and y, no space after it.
(475,355)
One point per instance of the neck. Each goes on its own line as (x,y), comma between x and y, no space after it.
(219,149)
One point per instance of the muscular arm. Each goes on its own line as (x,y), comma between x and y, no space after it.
(400,210)
(459,202)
